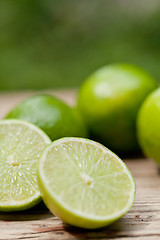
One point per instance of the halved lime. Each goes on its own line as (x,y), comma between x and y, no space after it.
(84,183)
(21,144)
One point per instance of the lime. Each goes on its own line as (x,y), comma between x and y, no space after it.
(109,101)
(148,126)
(52,115)
(84,183)
(21,144)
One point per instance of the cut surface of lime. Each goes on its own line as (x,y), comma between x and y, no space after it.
(84,183)
(21,144)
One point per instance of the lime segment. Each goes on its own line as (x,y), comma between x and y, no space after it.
(84,183)
(21,144)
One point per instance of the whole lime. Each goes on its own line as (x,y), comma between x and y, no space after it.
(53,116)
(148,126)
(109,101)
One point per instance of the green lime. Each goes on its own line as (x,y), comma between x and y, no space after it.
(109,101)
(52,115)
(84,183)
(148,126)
(21,144)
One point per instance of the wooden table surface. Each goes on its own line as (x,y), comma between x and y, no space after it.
(141,223)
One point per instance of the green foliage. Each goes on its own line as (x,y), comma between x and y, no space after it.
(49,44)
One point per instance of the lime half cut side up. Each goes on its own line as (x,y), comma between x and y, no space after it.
(21,144)
(84,183)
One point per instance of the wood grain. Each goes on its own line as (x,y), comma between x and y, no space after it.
(141,223)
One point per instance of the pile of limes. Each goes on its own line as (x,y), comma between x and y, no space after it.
(80,180)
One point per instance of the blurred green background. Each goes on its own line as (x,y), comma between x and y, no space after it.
(53,44)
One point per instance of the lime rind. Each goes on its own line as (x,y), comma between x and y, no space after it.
(66,212)
(148,127)
(16,206)
(52,115)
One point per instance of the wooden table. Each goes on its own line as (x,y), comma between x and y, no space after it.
(141,223)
